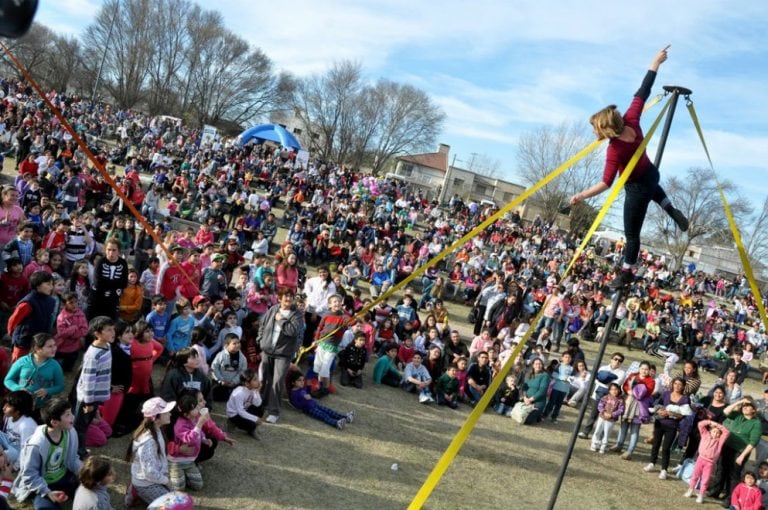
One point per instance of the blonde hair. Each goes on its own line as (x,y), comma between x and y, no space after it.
(607,123)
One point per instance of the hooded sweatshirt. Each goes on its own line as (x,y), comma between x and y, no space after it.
(149,467)
(32,461)
(26,375)
(70,328)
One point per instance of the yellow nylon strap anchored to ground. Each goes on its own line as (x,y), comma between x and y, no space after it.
(461,436)
(472,233)
(618,186)
(732,224)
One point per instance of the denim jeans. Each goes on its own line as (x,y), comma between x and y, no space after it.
(634,434)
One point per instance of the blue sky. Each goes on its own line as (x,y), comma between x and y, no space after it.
(499,69)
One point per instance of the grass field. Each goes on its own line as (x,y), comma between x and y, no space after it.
(303,464)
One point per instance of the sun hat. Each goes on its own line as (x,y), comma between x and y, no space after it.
(155,406)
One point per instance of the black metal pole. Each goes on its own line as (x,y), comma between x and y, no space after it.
(676,92)
(587,398)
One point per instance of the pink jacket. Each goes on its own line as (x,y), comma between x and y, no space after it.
(709,447)
(185,433)
(745,497)
(70,328)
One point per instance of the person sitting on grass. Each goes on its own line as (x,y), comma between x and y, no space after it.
(416,379)
(49,463)
(303,401)
(385,370)
(245,404)
(227,367)
(447,388)
(352,362)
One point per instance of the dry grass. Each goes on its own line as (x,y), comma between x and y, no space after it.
(302,463)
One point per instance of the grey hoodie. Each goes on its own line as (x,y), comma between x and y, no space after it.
(33,454)
(291,333)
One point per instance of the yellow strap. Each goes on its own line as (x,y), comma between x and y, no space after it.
(472,233)
(617,187)
(732,224)
(461,436)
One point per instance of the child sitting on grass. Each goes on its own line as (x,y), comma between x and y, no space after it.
(303,401)
(244,404)
(227,367)
(49,463)
(95,476)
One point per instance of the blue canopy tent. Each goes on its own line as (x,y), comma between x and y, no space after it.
(271,132)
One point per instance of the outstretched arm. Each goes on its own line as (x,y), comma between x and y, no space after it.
(659,59)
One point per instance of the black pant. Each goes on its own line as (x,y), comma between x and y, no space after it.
(82,422)
(729,475)
(391,379)
(663,437)
(589,423)
(244,423)
(206,452)
(480,319)
(350,380)
(220,392)
(638,194)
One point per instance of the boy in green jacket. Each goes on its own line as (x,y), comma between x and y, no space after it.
(447,388)
(385,370)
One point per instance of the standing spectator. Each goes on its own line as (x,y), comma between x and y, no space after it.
(280,335)
(111,277)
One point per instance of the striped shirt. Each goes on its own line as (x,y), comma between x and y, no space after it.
(95,380)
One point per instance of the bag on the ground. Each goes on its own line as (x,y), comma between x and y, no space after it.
(173,501)
(520,412)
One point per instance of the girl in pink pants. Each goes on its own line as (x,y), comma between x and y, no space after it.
(713,436)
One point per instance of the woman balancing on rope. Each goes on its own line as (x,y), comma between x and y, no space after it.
(625,136)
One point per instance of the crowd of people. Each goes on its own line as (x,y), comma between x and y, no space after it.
(227,305)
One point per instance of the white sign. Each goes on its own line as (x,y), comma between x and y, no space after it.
(209,134)
(302,158)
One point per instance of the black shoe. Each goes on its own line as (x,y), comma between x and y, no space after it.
(680,219)
(623,279)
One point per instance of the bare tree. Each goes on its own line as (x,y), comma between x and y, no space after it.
(697,196)
(409,122)
(64,62)
(756,236)
(170,42)
(325,102)
(483,164)
(541,151)
(232,81)
(33,50)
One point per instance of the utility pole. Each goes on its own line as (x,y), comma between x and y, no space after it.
(106,48)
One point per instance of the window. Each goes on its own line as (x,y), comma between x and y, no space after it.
(458,183)
(481,189)
(406,170)
(509,196)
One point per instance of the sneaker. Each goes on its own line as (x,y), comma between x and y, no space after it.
(615,449)
(602,451)
(340,424)
(649,468)
(593,448)
(663,474)
(351,416)
(700,498)
(271,419)
(688,493)
(554,421)
(582,435)
(680,220)
(626,456)
(677,468)
(624,278)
